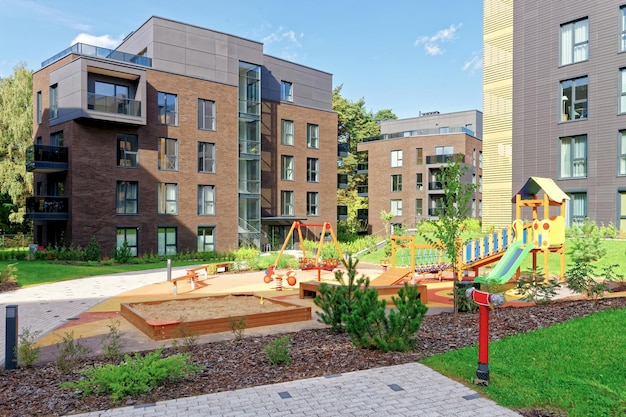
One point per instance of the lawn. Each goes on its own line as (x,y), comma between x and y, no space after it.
(575,366)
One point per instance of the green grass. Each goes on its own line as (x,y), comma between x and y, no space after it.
(44,272)
(576,366)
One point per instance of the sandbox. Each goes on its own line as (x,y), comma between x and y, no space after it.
(168,319)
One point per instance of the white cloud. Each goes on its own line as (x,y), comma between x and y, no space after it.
(474,63)
(283,35)
(284,44)
(432,44)
(105,41)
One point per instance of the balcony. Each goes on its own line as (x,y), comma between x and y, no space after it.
(46,159)
(342,212)
(113,105)
(420,132)
(435,186)
(90,50)
(362,167)
(342,149)
(444,159)
(342,181)
(47,207)
(362,215)
(434,212)
(361,191)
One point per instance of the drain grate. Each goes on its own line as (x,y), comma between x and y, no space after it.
(395,387)
(284,395)
(474,396)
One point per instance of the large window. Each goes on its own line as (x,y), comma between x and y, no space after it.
(286,167)
(622,212)
(622,90)
(573,152)
(312,169)
(312,203)
(576,208)
(54,102)
(622,28)
(206,114)
(127,192)
(286,91)
(127,147)
(206,238)
(396,207)
(286,136)
(312,136)
(419,182)
(574,99)
(419,156)
(166,240)
(57,139)
(206,200)
(128,235)
(396,183)
(575,42)
(286,203)
(419,211)
(206,157)
(168,154)
(39,107)
(396,159)
(621,153)
(168,198)
(168,109)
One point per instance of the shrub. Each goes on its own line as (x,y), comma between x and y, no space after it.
(278,351)
(370,327)
(92,251)
(71,352)
(27,352)
(7,274)
(185,338)
(134,375)
(122,254)
(237,326)
(464,303)
(111,342)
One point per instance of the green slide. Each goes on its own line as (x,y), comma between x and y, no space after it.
(508,264)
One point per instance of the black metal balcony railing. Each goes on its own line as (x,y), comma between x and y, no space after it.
(113,104)
(435,185)
(46,158)
(444,159)
(47,207)
(342,181)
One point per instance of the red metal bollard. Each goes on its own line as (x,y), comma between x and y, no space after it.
(484,300)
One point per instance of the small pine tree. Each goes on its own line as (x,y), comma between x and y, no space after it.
(92,251)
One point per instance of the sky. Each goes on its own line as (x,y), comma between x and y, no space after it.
(409,56)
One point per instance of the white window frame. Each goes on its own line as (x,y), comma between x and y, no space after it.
(396,207)
(396,158)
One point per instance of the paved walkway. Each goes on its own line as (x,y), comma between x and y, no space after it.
(402,390)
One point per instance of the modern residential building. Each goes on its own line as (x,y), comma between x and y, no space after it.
(404,162)
(569,103)
(181,138)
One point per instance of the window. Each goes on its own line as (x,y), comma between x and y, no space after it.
(396,182)
(480,208)
(286,137)
(168,154)
(206,114)
(312,169)
(473,207)
(127,147)
(56,139)
(39,108)
(286,91)
(286,167)
(109,98)
(168,198)
(166,240)
(622,212)
(573,152)
(622,90)
(54,102)
(480,183)
(396,207)
(127,192)
(168,109)
(621,153)
(396,159)
(419,182)
(576,209)
(206,157)
(480,159)
(206,238)
(474,160)
(622,28)
(128,235)
(575,42)
(286,204)
(574,99)
(312,203)
(444,150)
(419,211)
(206,200)
(312,136)
(420,156)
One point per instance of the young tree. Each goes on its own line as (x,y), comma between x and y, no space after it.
(16,126)
(455,210)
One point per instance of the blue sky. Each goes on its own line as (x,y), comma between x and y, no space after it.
(407,56)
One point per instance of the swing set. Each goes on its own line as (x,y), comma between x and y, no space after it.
(309,263)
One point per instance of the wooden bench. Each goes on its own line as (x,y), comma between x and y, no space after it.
(218,267)
(192,276)
(310,289)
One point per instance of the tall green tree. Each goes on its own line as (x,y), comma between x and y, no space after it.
(354,122)
(16,127)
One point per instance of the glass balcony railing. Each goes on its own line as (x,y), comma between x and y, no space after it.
(113,104)
(420,132)
(91,50)
(444,159)
(249,187)
(46,158)
(250,147)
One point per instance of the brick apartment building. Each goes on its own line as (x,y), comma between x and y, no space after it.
(404,161)
(182,138)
